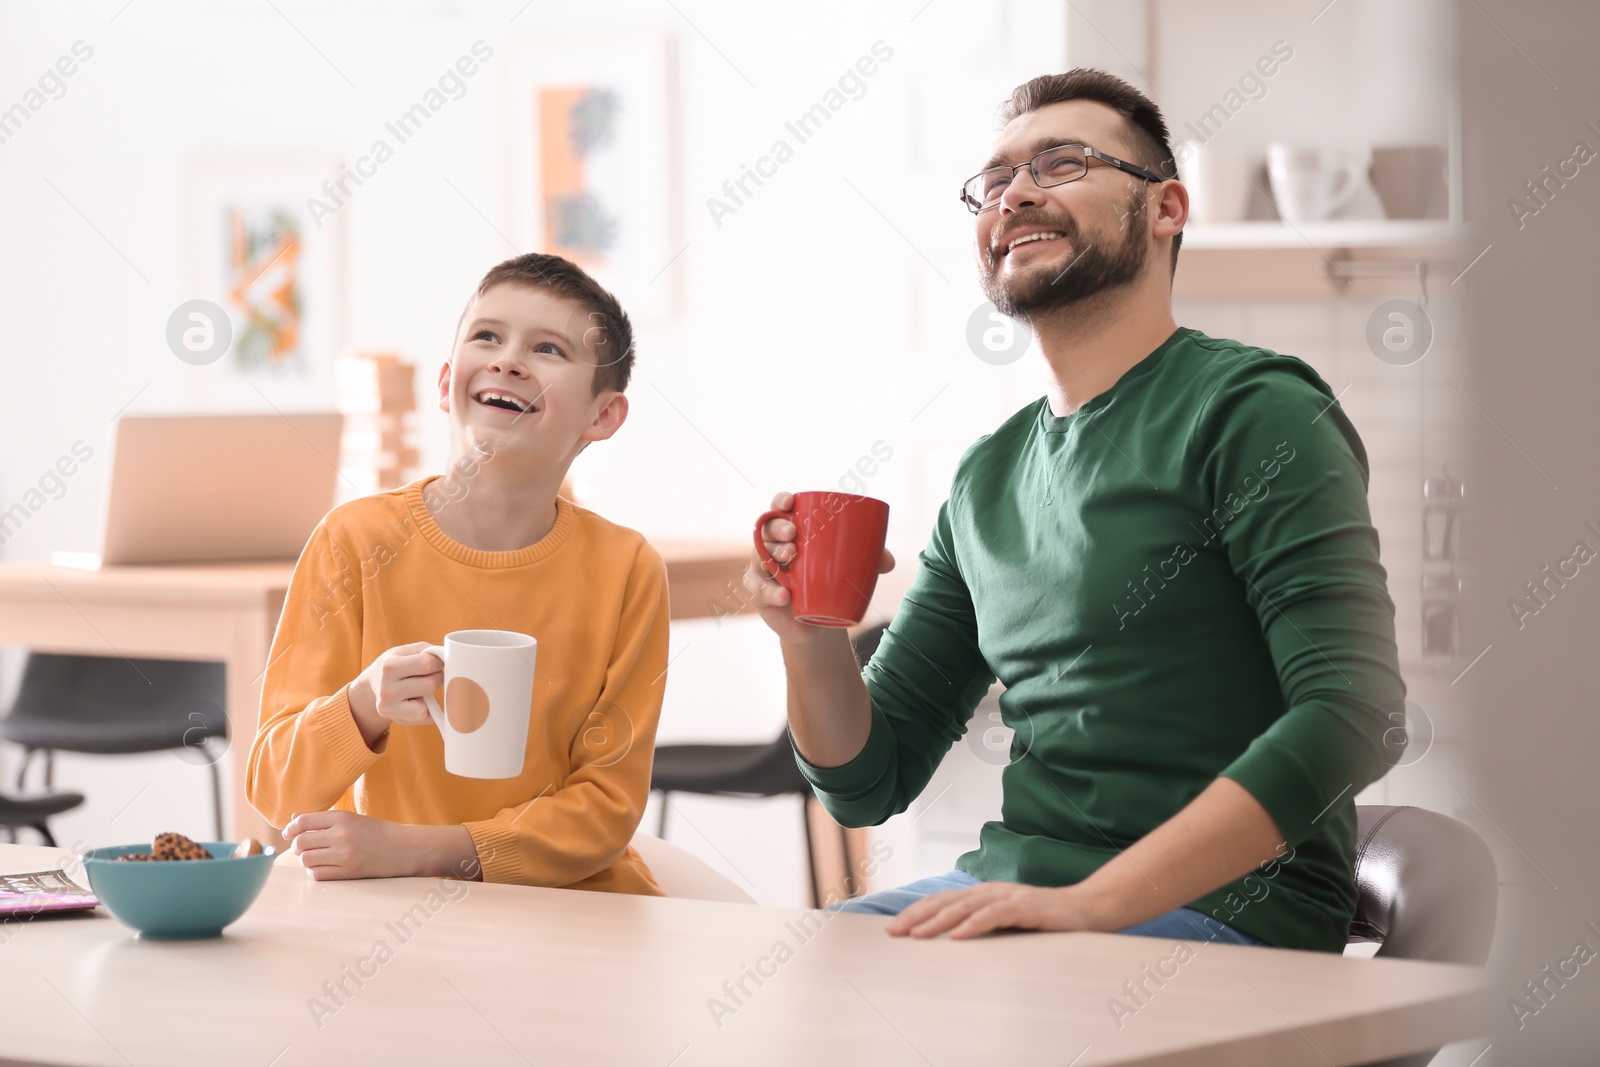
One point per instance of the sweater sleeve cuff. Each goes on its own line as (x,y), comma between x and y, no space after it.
(334,726)
(498,854)
(862,774)
(1283,785)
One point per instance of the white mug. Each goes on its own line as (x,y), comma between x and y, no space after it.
(488,696)
(1310,184)
(1218,179)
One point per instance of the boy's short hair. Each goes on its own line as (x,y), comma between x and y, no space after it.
(607,326)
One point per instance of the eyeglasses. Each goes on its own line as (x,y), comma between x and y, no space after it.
(1054,166)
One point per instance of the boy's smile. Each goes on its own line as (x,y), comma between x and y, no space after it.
(505,400)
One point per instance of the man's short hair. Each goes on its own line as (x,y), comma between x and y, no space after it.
(1147,130)
(606,327)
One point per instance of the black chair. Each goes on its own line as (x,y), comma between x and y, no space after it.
(33,812)
(1427,890)
(114,706)
(759,770)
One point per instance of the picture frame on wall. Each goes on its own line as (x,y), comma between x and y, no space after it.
(586,160)
(256,249)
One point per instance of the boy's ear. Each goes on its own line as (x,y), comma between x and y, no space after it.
(608,418)
(444,387)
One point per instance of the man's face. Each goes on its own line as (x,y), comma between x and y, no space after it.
(521,378)
(1087,237)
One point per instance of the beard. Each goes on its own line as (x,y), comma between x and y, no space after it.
(1084,281)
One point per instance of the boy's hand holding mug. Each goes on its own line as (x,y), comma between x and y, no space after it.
(392,689)
(816,562)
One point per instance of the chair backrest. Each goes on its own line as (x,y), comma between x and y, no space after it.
(1426,883)
(95,688)
(680,874)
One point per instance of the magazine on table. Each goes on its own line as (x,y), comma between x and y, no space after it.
(33,892)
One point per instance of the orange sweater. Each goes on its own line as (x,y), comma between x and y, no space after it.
(379,572)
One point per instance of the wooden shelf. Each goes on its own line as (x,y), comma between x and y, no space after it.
(1337,233)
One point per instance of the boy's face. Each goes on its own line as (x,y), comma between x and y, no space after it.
(521,379)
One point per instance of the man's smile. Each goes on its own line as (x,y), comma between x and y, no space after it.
(1023,240)
(1026,239)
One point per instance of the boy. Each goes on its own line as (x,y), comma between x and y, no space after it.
(542,357)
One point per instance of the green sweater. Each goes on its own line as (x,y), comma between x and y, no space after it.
(1178,581)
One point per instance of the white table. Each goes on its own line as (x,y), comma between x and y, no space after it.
(510,975)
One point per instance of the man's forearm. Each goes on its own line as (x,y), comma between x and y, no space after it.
(830,713)
(1218,837)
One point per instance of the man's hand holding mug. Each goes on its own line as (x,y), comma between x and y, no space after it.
(816,561)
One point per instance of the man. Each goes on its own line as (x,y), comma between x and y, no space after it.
(1167,560)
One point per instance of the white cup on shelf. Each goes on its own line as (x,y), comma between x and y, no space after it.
(1218,179)
(1310,183)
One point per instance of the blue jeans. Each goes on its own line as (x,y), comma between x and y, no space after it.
(1186,924)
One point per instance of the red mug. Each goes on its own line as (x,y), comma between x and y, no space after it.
(838,546)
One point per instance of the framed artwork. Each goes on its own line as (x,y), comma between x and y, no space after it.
(255,249)
(586,152)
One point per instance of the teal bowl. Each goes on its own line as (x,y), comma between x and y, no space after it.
(177,900)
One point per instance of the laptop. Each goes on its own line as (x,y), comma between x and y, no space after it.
(215,488)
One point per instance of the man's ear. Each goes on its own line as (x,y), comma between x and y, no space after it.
(1172,210)
(444,387)
(608,418)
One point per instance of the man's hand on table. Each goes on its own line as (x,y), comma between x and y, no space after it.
(1219,836)
(991,906)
